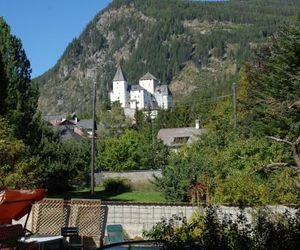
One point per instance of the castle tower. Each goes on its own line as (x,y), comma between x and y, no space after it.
(148,82)
(120,86)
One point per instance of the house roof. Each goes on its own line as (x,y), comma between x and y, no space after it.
(51,118)
(163,90)
(66,122)
(119,76)
(68,134)
(148,76)
(86,124)
(136,88)
(175,137)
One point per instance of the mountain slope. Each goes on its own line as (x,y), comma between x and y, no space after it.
(164,37)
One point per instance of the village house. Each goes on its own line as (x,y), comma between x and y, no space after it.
(174,138)
(72,128)
(148,94)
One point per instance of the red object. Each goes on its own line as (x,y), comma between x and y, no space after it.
(14,204)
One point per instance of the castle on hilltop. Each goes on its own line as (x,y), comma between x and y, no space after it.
(148,94)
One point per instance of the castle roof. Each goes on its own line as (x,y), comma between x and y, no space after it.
(148,76)
(119,76)
(136,88)
(163,90)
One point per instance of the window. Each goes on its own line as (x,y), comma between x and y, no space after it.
(181,140)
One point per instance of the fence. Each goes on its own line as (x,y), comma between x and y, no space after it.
(136,217)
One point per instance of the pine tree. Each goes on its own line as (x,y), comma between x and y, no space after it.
(18,95)
(273,86)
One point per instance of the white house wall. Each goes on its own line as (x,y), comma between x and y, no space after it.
(134,98)
(148,85)
(137,99)
(166,102)
(159,99)
(163,101)
(113,97)
(120,93)
(133,104)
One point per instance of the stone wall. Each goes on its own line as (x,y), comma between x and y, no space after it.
(140,176)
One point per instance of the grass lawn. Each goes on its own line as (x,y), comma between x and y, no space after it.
(100,193)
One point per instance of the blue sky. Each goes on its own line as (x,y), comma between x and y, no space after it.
(46,27)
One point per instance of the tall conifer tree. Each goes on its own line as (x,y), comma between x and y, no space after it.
(18,95)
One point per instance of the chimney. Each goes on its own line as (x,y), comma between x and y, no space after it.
(197,124)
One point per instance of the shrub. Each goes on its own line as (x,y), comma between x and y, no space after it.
(143,186)
(117,185)
(269,230)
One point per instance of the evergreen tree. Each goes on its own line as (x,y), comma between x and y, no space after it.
(271,87)
(18,95)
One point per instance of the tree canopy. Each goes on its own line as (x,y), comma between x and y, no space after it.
(31,153)
(131,150)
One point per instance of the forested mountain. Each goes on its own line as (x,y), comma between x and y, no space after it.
(197,47)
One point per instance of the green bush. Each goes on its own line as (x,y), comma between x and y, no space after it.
(117,185)
(268,230)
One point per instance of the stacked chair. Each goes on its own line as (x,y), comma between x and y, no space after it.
(48,217)
(79,221)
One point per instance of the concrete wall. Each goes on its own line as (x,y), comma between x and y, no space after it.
(135,218)
(133,176)
(138,217)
